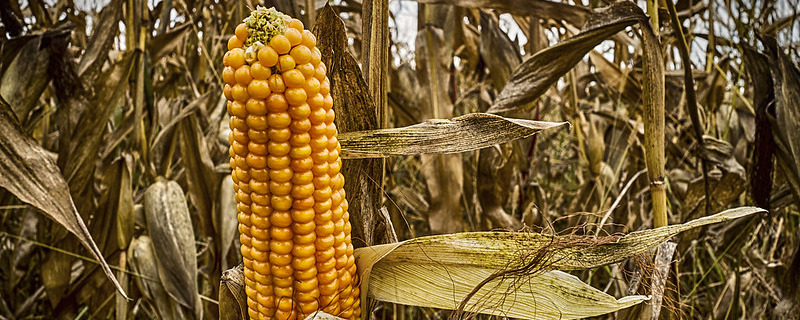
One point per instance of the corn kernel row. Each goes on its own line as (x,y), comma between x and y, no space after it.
(292,212)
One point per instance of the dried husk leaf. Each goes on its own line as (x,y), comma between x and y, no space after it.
(125,212)
(143,262)
(232,296)
(438,271)
(355,111)
(170,227)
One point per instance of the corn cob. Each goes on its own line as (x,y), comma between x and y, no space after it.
(292,212)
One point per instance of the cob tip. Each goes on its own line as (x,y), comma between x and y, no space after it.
(263,24)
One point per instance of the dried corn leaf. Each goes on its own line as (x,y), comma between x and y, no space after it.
(620,81)
(23,68)
(786,78)
(112,225)
(81,147)
(355,111)
(760,176)
(468,132)
(29,172)
(439,271)
(497,51)
(443,174)
(575,15)
(169,42)
(537,73)
(101,41)
(202,179)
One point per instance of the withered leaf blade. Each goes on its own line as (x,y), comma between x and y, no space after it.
(169,42)
(760,177)
(443,173)
(614,77)
(576,15)
(539,72)
(200,174)
(786,78)
(497,51)
(355,111)
(468,132)
(720,153)
(191,108)
(100,43)
(724,190)
(84,144)
(29,172)
(23,69)
(500,250)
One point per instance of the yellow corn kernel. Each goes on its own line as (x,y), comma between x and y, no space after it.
(292,212)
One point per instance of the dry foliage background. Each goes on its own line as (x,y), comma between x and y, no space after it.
(120,104)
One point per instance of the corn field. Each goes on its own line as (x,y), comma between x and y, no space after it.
(528,159)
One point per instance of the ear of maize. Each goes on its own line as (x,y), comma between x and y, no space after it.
(293,220)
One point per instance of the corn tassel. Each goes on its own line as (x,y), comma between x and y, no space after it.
(292,212)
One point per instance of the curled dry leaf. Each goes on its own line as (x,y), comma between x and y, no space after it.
(28,171)
(203,180)
(542,8)
(101,41)
(465,133)
(23,70)
(537,73)
(169,42)
(355,111)
(786,78)
(439,271)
